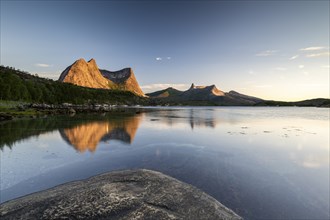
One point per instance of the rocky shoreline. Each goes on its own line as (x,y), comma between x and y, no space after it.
(41,110)
(73,108)
(128,194)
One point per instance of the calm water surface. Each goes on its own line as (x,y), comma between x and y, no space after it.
(262,162)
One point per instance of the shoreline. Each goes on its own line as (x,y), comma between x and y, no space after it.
(16,110)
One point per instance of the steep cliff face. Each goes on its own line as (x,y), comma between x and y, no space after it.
(85,74)
(88,74)
(123,79)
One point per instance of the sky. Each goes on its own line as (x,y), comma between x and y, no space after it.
(276,50)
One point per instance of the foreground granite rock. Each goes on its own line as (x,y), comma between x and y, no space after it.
(131,194)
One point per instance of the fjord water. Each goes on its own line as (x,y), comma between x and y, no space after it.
(262,162)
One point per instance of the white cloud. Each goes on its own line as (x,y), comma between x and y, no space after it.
(312,85)
(251,72)
(42,65)
(160,58)
(324,54)
(326,66)
(301,66)
(266,53)
(280,68)
(312,48)
(49,75)
(311,164)
(160,86)
(306,73)
(294,57)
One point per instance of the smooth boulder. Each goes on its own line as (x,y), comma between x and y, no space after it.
(129,194)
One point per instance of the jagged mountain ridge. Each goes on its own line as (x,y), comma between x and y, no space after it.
(209,94)
(87,74)
(202,92)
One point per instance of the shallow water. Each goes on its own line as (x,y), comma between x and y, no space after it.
(262,162)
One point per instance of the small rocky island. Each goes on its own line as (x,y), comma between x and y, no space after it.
(129,194)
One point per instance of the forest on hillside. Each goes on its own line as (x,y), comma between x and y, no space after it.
(16,85)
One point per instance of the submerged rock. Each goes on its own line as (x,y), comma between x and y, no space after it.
(130,194)
(4,117)
(71,111)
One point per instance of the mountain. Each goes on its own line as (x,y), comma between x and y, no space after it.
(169,92)
(241,98)
(87,74)
(203,95)
(123,79)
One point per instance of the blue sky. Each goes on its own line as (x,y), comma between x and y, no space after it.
(269,49)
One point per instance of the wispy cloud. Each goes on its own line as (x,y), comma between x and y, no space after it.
(160,58)
(312,85)
(280,68)
(301,66)
(160,86)
(326,66)
(311,164)
(294,57)
(50,75)
(312,48)
(266,53)
(323,54)
(306,73)
(251,72)
(42,65)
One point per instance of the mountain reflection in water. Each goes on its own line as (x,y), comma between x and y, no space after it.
(193,117)
(88,135)
(85,132)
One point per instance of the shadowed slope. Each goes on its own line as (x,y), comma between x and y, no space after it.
(123,79)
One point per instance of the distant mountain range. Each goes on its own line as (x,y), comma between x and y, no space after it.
(210,94)
(87,74)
